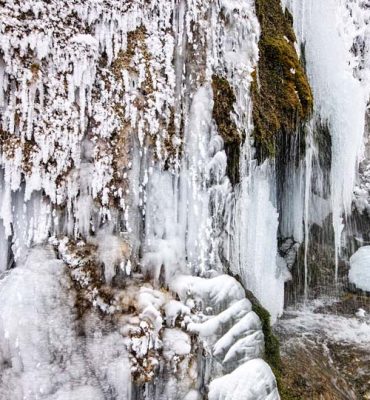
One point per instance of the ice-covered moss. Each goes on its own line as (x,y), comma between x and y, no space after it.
(281,93)
(136,43)
(224,99)
(272,348)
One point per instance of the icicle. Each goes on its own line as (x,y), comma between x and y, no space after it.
(328,30)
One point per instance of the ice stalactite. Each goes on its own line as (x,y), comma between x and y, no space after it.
(306,209)
(251,219)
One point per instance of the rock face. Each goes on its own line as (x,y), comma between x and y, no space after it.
(123,128)
(325,349)
(334,226)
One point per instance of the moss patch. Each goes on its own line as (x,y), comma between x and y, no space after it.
(322,369)
(272,345)
(281,93)
(224,99)
(272,348)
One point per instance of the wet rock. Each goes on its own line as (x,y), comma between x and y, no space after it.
(324,350)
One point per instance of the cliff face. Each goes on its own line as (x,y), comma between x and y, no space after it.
(122,129)
(160,161)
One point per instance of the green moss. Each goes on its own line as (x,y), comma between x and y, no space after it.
(272,345)
(224,99)
(272,348)
(281,93)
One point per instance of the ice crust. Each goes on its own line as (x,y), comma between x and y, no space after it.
(111,161)
(42,356)
(109,148)
(238,385)
(69,91)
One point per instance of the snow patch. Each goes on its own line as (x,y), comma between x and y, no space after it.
(359,273)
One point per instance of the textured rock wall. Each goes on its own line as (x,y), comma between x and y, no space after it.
(123,126)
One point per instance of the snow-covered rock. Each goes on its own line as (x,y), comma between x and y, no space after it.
(254,380)
(359,273)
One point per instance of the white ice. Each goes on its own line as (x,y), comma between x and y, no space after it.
(359,273)
(253,380)
(41,353)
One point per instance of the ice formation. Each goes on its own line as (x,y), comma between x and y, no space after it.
(42,355)
(127,247)
(335,38)
(51,349)
(232,386)
(254,244)
(116,207)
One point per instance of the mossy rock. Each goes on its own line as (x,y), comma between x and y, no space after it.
(272,348)
(224,99)
(281,94)
(272,345)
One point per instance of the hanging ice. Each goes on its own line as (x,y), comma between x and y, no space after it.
(329,32)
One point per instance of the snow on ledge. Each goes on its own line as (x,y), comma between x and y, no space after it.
(359,273)
(253,380)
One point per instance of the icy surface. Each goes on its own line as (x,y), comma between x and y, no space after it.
(116,209)
(48,352)
(233,336)
(42,356)
(253,246)
(238,385)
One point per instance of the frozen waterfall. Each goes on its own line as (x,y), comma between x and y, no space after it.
(145,245)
